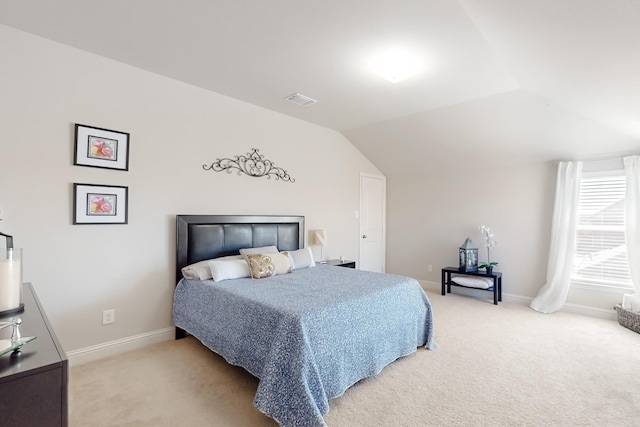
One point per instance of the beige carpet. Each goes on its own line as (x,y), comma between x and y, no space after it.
(503,365)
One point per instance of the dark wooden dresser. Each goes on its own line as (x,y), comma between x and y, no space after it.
(34,382)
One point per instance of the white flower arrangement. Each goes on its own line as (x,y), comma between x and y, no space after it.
(489,242)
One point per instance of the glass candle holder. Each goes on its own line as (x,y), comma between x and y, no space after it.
(10,281)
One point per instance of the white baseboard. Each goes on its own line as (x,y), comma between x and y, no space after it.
(584,310)
(113,348)
(430,286)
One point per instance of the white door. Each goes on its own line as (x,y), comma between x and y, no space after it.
(372,222)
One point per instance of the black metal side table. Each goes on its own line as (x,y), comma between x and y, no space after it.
(495,276)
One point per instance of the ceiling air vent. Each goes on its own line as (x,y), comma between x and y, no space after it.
(300,99)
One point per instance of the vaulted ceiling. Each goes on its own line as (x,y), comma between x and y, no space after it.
(515,79)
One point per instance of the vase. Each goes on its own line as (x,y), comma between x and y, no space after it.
(489,269)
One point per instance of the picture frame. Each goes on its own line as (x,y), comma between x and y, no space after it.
(101,148)
(100,204)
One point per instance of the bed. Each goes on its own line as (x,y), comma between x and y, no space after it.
(307,335)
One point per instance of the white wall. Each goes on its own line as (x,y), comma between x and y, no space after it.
(487,161)
(431,214)
(80,270)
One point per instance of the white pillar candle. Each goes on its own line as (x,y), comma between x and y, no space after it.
(10,280)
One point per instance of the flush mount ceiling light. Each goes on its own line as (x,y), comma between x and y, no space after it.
(300,99)
(396,64)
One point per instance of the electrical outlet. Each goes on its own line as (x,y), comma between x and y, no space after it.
(108,316)
(430,268)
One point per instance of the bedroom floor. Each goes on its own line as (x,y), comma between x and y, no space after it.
(495,365)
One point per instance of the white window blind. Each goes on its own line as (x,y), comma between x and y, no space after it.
(601,252)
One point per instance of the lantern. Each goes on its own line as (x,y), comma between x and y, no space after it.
(468,256)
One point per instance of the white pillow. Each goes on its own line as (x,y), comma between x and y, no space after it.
(262,250)
(231,269)
(473,282)
(200,270)
(302,258)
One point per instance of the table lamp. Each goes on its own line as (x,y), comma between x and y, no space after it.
(320,237)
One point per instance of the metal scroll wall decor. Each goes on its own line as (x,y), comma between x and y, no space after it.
(253,164)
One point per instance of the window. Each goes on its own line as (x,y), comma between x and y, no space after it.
(601,251)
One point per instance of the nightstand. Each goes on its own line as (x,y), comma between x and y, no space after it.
(338,263)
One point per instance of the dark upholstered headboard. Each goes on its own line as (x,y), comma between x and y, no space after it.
(200,237)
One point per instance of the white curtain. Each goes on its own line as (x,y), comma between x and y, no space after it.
(632,223)
(553,294)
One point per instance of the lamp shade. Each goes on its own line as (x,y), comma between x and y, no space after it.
(320,237)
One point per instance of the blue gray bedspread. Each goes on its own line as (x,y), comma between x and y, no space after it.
(308,335)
